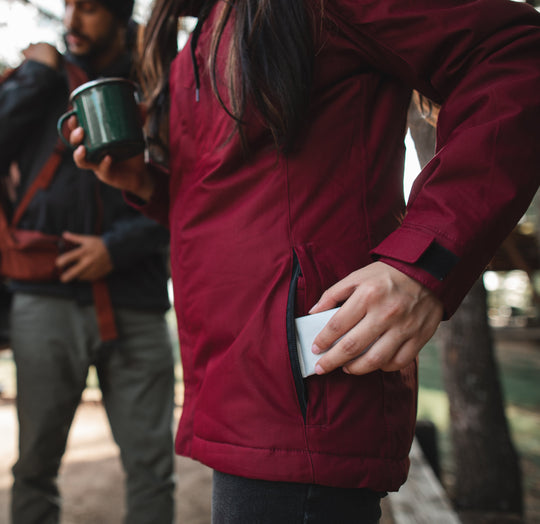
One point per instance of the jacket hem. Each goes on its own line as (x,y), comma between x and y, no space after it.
(301,466)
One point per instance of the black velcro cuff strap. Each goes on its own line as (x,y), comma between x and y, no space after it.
(437,261)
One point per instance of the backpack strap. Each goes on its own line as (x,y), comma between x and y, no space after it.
(5,201)
(76,77)
(102,298)
(7,73)
(104,310)
(100,290)
(41,181)
(5,208)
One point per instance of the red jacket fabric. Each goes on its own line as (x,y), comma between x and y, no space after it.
(251,237)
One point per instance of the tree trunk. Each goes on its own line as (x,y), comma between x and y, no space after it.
(422,133)
(488,476)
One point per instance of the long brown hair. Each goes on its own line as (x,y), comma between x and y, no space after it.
(270,59)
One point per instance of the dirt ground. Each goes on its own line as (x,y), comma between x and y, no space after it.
(91,479)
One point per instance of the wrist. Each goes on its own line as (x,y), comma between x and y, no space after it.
(144,187)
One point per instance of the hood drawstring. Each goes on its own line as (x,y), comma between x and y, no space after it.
(203,15)
(194,40)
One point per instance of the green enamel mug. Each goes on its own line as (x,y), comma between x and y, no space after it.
(107,111)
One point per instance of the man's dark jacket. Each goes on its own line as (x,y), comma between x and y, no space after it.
(31,100)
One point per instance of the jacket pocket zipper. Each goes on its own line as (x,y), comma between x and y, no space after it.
(301,390)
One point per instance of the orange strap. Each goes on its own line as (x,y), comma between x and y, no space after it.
(42,181)
(7,74)
(4,201)
(76,77)
(104,310)
(43,178)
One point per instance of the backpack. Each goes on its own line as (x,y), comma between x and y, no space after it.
(31,255)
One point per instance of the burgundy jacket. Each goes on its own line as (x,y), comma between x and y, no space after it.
(255,243)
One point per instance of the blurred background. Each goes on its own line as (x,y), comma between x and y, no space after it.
(497,331)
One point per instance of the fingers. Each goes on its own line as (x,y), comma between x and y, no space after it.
(101,170)
(75,264)
(335,295)
(356,342)
(359,291)
(79,157)
(73,272)
(69,257)
(341,323)
(386,353)
(393,351)
(131,174)
(70,264)
(73,125)
(385,320)
(73,237)
(76,137)
(44,53)
(362,351)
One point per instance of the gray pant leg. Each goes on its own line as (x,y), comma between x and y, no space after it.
(49,348)
(137,382)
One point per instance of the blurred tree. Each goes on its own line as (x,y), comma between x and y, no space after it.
(41,10)
(488,475)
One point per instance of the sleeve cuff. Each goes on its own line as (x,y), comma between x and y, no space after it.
(421,256)
(157,207)
(421,250)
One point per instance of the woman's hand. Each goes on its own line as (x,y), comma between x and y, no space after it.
(385,320)
(129,175)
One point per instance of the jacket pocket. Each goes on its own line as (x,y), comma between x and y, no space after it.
(316,267)
(301,390)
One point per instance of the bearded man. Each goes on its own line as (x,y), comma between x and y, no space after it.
(57,328)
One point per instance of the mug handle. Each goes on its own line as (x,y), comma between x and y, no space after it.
(60,124)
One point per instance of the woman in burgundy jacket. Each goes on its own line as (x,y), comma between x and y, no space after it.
(286,128)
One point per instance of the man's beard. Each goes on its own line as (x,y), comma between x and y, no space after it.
(94,48)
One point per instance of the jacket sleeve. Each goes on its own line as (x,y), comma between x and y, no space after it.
(135,237)
(23,103)
(481,60)
(158,206)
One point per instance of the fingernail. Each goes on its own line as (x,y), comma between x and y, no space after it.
(313,307)
(315,349)
(345,370)
(319,370)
